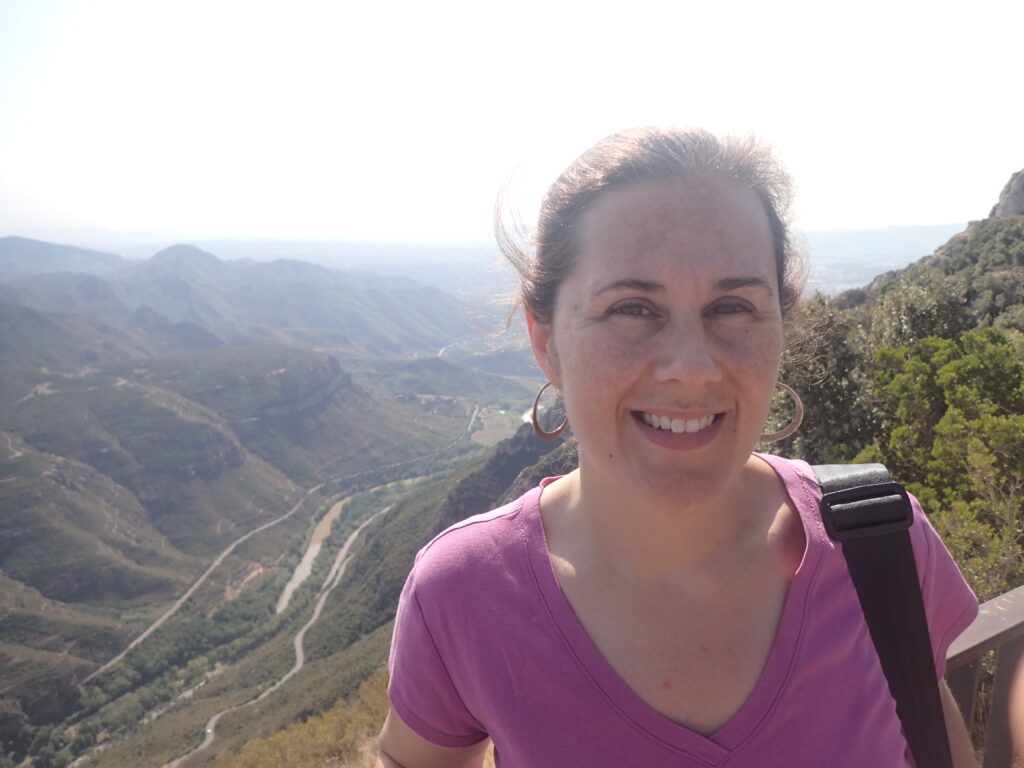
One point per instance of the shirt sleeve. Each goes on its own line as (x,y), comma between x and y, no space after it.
(421,689)
(949,603)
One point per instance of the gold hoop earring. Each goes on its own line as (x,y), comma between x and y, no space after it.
(798,416)
(537,429)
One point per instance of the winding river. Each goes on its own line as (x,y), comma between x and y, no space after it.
(305,567)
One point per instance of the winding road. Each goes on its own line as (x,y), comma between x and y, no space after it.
(331,581)
(15,453)
(198,583)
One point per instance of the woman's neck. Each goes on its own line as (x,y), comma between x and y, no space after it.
(638,536)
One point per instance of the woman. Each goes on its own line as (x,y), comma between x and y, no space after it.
(674,601)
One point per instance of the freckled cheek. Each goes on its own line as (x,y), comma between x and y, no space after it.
(753,362)
(606,358)
(758,351)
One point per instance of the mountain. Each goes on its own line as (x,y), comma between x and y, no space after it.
(974,281)
(1011,199)
(72,292)
(180,461)
(100,530)
(120,482)
(170,429)
(247,302)
(979,270)
(32,338)
(300,411)
(77,550)
(21,256)
(60,340)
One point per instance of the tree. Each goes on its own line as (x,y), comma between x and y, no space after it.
(827,372)
(953,431)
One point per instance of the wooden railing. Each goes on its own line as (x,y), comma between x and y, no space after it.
(1000,628)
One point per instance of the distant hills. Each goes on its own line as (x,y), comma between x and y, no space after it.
(184,298)
(841,259)
(22,256)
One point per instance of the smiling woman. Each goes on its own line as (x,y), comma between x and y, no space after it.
(674,600)
(670,312)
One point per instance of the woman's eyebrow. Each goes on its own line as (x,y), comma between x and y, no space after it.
(732,283)
(634,284)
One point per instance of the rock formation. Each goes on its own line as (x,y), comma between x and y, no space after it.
(1011,199)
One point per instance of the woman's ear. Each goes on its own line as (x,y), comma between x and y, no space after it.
(543,348)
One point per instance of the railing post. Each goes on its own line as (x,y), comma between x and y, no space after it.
(998,740)
(999,627)
(963,684)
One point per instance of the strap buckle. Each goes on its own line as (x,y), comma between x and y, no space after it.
(866,510)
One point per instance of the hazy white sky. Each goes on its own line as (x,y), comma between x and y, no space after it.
(398,121)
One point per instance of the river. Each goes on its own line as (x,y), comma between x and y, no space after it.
(305,567)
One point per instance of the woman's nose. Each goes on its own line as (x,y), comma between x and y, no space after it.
(686,353)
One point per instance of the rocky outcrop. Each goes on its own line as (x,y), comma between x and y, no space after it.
(883,280)
(1011,199)
(309,392)
(561,461)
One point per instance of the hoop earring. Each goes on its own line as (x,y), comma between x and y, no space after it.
(798,416)
(537,429)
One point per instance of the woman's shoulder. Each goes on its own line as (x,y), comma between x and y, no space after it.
(797,477)
(479,546)
(805,491)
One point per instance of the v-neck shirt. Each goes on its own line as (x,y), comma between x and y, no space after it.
(487,645)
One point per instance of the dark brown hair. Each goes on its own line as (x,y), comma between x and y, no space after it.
(642,155)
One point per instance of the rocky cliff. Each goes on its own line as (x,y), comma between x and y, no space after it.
(1011,199)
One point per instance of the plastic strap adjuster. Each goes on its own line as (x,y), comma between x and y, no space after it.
(867,510)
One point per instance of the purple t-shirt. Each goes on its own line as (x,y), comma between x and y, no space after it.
(486,644)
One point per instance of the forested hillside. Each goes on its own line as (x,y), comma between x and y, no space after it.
(924,371)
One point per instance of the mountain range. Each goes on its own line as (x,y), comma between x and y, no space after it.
(184,299)
(155,414)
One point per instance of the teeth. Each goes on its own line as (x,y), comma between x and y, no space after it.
(677,425)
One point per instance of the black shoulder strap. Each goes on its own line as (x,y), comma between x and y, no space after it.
(870,515)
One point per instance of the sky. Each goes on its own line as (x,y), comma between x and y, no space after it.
(399,121)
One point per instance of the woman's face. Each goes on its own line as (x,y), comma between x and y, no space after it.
(666,334)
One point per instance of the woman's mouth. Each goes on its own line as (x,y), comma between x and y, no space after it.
(676,425)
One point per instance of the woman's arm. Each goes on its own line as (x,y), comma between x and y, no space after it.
(402,747)
(959,740)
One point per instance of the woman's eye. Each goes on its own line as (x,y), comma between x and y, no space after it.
(730,308)
(631,310)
